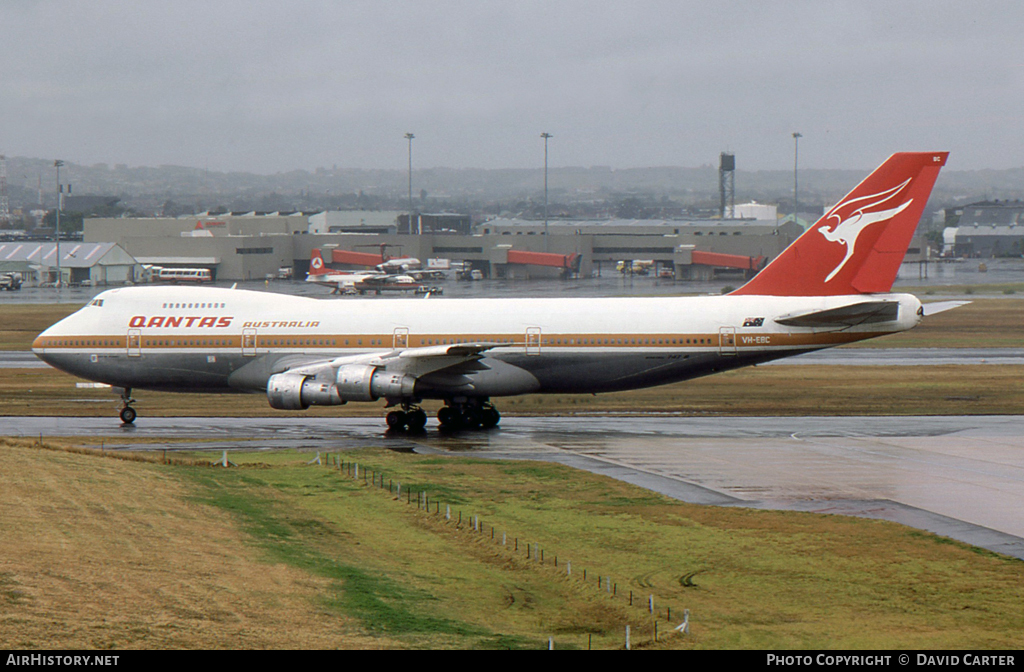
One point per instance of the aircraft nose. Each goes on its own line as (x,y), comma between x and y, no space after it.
(39,345)
(43,345)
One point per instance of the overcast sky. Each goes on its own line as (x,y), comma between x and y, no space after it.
(275,86)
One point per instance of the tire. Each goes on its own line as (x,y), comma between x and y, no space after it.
(447,417)
(489,417)
(396,421)
(471,417)
(128,415)
(416,420)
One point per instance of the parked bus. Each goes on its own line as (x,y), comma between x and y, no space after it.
(185,275)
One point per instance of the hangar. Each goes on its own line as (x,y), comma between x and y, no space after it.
(95,264)
(986,229)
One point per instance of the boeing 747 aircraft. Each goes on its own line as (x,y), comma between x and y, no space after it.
(830,287)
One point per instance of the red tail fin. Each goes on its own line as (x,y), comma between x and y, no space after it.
(316,263)
(857,246)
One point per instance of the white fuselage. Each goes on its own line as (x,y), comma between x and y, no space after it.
(211,339)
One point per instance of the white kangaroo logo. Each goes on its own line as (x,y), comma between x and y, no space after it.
(848,229)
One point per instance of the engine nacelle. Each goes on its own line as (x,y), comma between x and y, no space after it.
(284,391)
(296,392)
(392,385)
(364,382)
(353,382)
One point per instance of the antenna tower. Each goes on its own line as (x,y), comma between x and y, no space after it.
(727,185)
(5,204)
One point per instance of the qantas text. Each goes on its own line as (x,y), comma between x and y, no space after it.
(177,321)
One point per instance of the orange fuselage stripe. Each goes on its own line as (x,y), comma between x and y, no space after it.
(335,341)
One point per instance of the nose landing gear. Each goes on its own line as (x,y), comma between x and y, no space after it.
(127,413)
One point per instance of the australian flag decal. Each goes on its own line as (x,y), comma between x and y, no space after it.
(753,322)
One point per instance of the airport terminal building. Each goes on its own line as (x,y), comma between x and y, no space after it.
(252,246)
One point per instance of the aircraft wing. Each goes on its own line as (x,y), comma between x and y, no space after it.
(339,278)
(456,350)
(866,312)
(413,361)
(378,279)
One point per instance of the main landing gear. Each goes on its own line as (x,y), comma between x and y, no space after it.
(468,415)
(127,413)
(410,418)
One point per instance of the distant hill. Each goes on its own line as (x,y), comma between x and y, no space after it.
(147,188)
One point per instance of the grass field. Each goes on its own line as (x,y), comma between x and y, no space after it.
(984,323)
(20,323)
(278,553)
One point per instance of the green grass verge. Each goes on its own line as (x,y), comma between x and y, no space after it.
(751,579)
(291,535)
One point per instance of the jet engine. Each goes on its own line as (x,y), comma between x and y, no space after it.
(352,382)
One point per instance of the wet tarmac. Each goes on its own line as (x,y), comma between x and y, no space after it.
(960,477)
(933,278)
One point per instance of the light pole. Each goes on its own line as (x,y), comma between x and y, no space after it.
(796,193)
(546,137)
(56,227)
(409,137)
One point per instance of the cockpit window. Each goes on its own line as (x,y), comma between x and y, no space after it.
(97,302)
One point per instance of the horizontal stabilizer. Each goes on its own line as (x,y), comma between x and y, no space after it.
(867,312)
(941,306)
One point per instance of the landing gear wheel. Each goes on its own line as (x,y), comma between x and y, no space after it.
(397,420)
(128,415)
(416,420)
(471,417)
(448,417)
(489,417)
(472,414)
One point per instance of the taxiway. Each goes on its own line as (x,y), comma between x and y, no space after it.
(958,476)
